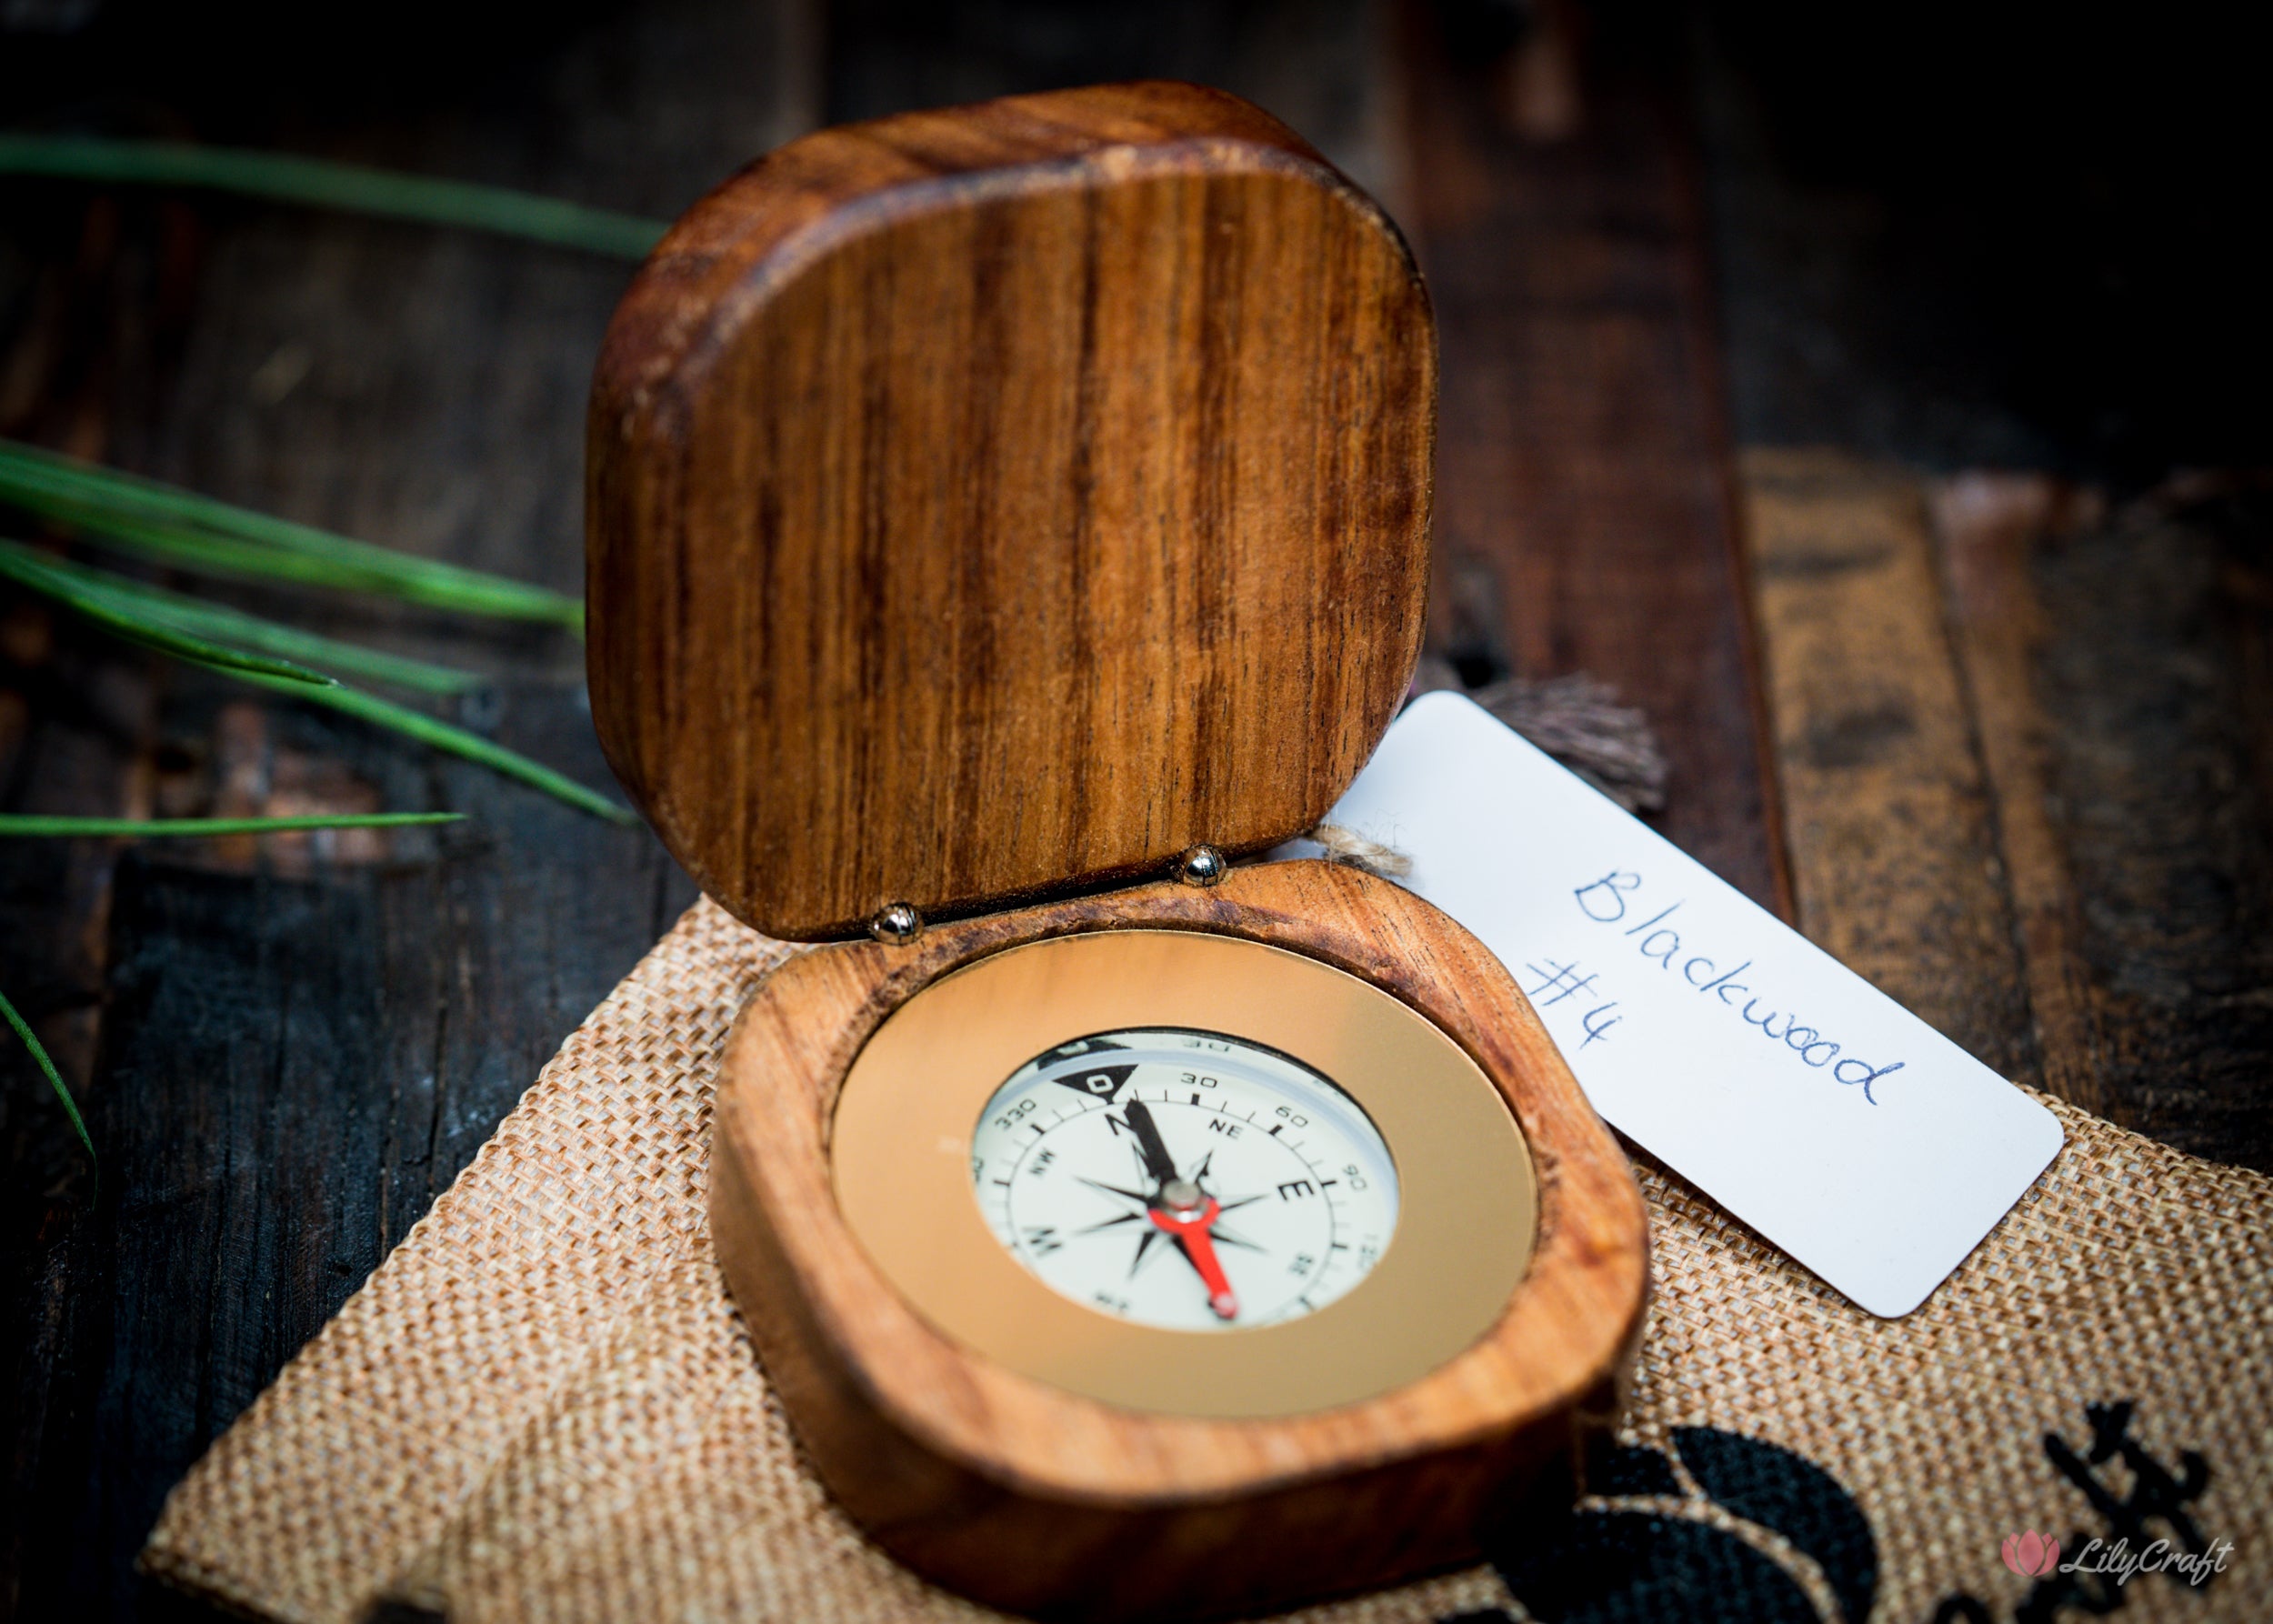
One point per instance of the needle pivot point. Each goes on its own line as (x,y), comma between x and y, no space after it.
(1182,1197)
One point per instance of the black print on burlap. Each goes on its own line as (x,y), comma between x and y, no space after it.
(2152,1507)
(1622,1472)
(1608,1564)
(1791,1494)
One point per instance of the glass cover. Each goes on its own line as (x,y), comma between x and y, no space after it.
(1185,1180)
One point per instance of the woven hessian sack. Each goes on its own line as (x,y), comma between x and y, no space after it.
(543,1406)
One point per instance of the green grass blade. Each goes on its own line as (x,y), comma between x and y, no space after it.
(196,532)
(25,824)
(241,630)
(456,741)
(21,567)
(55,1082)
(209,553)
(283,677)
(284,177)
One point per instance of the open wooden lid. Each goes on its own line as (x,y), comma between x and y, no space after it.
(999,501)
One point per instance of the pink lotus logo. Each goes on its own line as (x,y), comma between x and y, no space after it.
(2031,1554)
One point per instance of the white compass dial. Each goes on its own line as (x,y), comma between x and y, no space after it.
(1184,1179)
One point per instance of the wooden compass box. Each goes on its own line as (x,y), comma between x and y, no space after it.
(988,507)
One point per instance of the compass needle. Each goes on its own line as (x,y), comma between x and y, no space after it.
(1315,1205)
(1158,1163)
(1198,1247)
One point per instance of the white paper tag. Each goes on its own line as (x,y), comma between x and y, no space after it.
(1825,1116)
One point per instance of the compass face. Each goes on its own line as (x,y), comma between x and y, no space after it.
(1192,1207)
(1185,1180)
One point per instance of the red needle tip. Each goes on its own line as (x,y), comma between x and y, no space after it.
(1199,1245)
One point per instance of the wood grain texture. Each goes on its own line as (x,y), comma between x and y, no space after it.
(1986,527)
(2118,674)
(2024,792)
(1892,828)
(1032,1498)
(1005,498)
(1585,517)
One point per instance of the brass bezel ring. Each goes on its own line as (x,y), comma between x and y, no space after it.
(900,1162)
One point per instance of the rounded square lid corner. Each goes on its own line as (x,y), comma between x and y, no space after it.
(997,500)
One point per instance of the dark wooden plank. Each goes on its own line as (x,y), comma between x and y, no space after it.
(2022,747)
(2016,285)
(285,1058)
(292,1068)
(1582,461)
(1893,826)
(1986,527)
(80,719)
(2117,665)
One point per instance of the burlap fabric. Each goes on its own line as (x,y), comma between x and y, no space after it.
(543,1405)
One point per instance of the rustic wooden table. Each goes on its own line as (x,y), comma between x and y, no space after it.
(2002,740)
